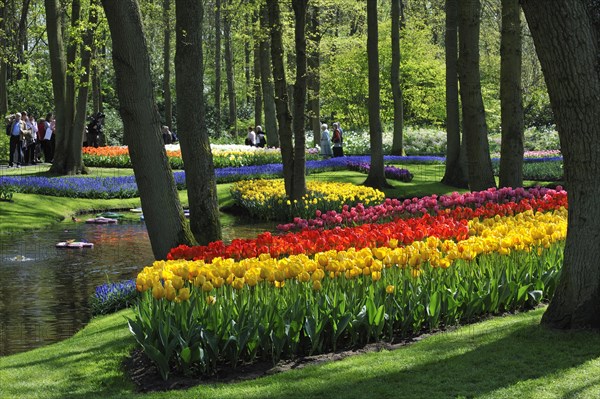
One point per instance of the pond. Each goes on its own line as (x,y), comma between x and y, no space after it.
(44,291)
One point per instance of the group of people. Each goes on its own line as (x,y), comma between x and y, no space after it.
(93,130)
(29,139)
(337,138)
(256,138)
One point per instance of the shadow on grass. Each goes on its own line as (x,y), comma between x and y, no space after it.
(466,363)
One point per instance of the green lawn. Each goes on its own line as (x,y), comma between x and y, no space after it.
(504,357)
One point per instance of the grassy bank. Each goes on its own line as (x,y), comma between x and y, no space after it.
(504,357)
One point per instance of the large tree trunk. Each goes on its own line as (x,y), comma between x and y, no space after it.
(397,17)
(481,175)
(456,167)
(281,96)
(511,153)
(376,177)
(167,64)
(566,35)
(166,224)
(266,80)
(195,145)
(3,65)
(218,68)
(229,68)
(299,175)
(313,81)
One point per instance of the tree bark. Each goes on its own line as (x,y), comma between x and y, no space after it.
(314,75)
(3,64)
(257,88)
(232,121)
(299,175)
(284,118)
(266,80)
(511,152)
(479,163)
(218,68)
(163,213)
(167,64)
(22,37)
(397,17)
(193,134)
(376,177)
(247,53)
(566,34)
(456,167)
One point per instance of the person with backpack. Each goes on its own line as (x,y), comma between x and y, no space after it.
(337,140)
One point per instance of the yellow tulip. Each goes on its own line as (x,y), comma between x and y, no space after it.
(390,289)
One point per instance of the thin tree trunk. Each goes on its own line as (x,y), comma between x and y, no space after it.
(566,35)
(299,179)
(257,88)
(167,64)
(193,134)
(163,213)
(479,162)
(376,177)
(266,80)
(284,117)
(218,68)
(22,37)
(3,64)
(456,168)
(314,75)
(247,54)
(511,153)
(232,121)
(397,17)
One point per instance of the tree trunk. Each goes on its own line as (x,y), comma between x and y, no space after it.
(232,121)
(397,17)
(313,76)
(79,120)
(258,101)
(566,35)
(376,177)
(3,64)
(511,153)
(22,37)
(456,168)
(167,64)
(247,53)
(195,145)
(284,117)
(266,80)
(218,68)
(299,174)
(479,164)
(166,224)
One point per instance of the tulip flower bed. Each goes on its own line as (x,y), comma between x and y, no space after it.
(391,172)
(267,200)
(223,156)
(541,198)
(196,315)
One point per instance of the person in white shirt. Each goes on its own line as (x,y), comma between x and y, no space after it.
(251,138)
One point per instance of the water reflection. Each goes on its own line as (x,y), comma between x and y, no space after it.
(44,291)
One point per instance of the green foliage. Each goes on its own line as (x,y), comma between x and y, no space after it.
(32,95)
(113,128)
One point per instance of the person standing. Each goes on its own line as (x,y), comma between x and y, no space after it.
(251,137)
(48,143)
(261,139)
(30,140)
(338,150)
(167,135)
(325,142)
(15,147)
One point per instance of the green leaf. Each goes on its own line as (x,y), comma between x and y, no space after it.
(186,355)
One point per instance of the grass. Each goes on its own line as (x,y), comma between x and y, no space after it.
(504,357)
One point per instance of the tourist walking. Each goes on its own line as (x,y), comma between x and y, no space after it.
(337,139)
(251,137)
(48,143)
(325,142)
(261,139)
(15,146)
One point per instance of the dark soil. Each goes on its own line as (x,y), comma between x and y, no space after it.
(146,377)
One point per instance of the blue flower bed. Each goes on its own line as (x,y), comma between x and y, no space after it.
(126,187)
(111,297)
(391,172)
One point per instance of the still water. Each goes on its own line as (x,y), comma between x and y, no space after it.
(44,291)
